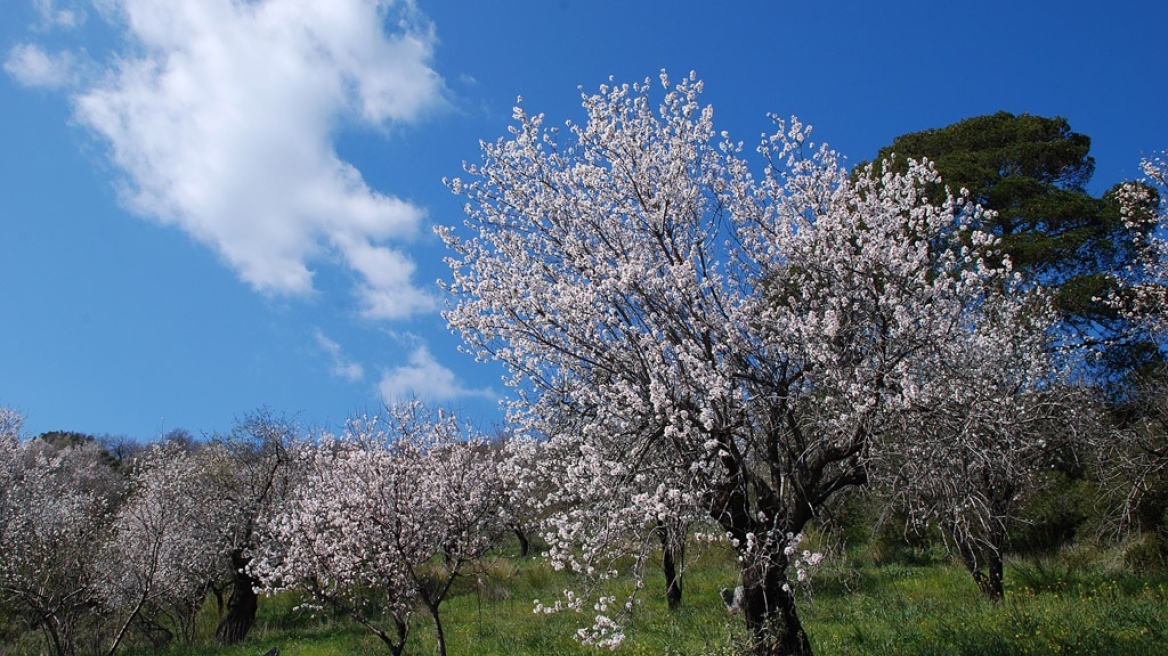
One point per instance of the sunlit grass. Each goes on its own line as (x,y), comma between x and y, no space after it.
(935,610)
(910,610)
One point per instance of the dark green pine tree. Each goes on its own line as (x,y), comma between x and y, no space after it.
(1033,172)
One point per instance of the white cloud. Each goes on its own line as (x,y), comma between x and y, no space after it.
(342,367)
(53,16)
(426,379)
(33,67)
(220,113)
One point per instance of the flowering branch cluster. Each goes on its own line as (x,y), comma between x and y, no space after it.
(167,541)
(108,546)
(1143,296)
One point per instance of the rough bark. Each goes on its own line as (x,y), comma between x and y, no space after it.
(241,606)
(985,568)
(769,610)
(768,606)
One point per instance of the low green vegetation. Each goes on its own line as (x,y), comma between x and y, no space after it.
(1082,602)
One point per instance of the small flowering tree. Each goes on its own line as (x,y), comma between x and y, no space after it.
(741,343)
(249,474)
(389,515)
(166,545)
(980,446)
(55,511)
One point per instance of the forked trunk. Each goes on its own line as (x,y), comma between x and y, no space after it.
(768,604)
(984,563)
(990,581)
(396,643)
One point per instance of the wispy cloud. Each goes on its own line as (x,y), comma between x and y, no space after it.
(342,366)
(425,378)
(221,114)
(54,16)
(33,67)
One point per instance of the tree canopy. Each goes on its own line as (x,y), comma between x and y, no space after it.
(745,341)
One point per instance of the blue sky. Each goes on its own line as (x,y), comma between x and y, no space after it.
(209,206)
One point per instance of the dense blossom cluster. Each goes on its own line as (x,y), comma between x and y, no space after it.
(1144,205)
(96,546)
(54,509)
(375,522)
(166,541)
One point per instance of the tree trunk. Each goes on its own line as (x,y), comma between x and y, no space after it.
(989,581)
(672,558)
(524,543)
(397,645)
(672,578)
(241,606)
(61,644)
(439,635)
(769,611)
(997,590)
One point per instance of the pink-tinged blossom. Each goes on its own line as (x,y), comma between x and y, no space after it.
(1143,290)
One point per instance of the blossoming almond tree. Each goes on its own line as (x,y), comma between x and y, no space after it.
(249,472)
(55,509)
(744,342)
(166,546)
(980,446)
(389,515)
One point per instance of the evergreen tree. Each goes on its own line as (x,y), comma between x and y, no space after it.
(1032,171)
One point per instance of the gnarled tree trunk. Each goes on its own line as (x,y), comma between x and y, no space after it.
(768,605)
(242,605)
(769,610)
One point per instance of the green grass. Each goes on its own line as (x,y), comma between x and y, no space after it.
(933,610)
(909,610)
